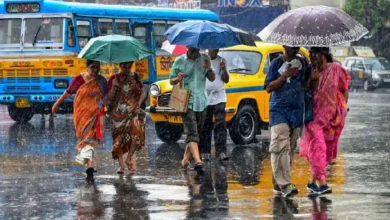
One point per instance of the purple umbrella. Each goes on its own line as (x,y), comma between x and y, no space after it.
(313,26)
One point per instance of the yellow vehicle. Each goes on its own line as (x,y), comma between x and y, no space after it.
(247,107)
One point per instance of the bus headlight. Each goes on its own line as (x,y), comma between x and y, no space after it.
(154,90)
(61,83)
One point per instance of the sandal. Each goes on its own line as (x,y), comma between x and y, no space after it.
(199,168)
(130,167)
(120,171)
(186,166)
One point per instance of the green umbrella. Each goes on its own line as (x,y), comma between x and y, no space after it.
(114,49)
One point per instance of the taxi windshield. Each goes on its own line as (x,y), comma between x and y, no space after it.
(378,64)
(242,62)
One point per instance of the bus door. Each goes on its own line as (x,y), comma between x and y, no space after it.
(143,31)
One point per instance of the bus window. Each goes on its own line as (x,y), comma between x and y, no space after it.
(71,41)
(159,30)
(139,32)
(44,30)
(95,27)
(122,27)
(10,31)
(106,27)
(84,32)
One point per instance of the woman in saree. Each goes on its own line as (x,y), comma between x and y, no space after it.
(126,94)
(88,113)
(329,82)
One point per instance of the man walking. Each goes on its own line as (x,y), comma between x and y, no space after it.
(216,108)
(194,68)
(285,80)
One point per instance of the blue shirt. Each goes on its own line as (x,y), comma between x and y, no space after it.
(287,102)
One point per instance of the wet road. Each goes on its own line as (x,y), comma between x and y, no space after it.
(40,181)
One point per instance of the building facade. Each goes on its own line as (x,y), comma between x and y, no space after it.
(332,3)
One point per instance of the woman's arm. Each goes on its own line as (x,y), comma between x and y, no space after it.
(59,102)
(346,95)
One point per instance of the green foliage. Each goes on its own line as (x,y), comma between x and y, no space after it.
(375,16)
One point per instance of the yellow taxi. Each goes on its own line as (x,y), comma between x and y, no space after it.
(247,107)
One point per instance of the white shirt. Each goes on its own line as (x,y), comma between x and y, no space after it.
(215,90)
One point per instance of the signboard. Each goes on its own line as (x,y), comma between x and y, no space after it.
(164,65)
(142,68)
(23,7)
(364,51)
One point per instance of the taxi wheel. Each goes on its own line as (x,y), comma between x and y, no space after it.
(20,114)
(243,129)
(366,85)
(169,133)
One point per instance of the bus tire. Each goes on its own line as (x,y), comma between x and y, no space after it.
(243,128)
(20,114)
(169,133)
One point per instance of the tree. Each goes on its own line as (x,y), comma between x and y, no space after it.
(374,15)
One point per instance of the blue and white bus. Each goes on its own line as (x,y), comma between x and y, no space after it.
(40,41)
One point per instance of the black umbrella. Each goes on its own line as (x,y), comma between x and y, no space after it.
(313,26)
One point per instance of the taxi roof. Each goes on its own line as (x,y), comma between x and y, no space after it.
(265,48)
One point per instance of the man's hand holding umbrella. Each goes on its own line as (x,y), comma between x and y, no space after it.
(210,72)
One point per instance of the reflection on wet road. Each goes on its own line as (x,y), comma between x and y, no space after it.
(40,181)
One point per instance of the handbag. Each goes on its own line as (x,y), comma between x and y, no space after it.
(179,98)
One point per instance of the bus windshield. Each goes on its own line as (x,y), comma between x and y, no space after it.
(44,30)
(10,31)
(47,31)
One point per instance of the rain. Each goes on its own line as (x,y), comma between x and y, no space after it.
(44,176)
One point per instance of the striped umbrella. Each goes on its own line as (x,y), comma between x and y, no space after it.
(174,49)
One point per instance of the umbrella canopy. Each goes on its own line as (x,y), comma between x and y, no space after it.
(207,35)
(115,49)
(174,49)
(313,26)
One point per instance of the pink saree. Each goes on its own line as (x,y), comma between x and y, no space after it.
(321,136)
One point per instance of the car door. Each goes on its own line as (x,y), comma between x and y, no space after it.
(358,71)
(349,67)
